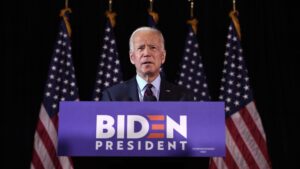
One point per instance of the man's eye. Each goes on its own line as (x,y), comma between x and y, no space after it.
(152,47)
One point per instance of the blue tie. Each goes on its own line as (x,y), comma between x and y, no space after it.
(148,95)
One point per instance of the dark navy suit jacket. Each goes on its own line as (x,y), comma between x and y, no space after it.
(128,91)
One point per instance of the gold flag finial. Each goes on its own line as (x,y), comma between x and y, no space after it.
(193,21)
(234,17)
(110,14)
(153,14)
(62,14)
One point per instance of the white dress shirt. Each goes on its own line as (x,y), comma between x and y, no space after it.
(142,86)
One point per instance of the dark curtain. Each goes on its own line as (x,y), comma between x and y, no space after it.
(270,39)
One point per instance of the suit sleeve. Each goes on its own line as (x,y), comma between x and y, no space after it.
(187,96)
(106,96)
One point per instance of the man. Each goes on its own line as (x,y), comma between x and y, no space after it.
(147,53)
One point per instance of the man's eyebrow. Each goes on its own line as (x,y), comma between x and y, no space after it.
(141,45)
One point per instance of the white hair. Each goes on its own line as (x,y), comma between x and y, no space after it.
(145,28)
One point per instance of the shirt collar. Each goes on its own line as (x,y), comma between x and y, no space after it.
(142,83)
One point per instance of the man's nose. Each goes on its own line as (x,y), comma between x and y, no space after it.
(147,51)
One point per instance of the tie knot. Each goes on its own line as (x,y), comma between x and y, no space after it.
(148,95)
(149,85)
(148,91)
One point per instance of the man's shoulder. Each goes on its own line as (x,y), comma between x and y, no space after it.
(123,91)
(176,87)
(176,92)
(121,85)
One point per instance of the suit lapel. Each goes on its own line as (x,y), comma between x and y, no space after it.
(133,90)
(166,93)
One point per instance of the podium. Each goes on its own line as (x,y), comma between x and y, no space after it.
(141,129)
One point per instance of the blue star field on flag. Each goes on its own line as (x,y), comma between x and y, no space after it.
(191,73)
(109,68)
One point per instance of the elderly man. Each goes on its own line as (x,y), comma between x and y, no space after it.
(147,53)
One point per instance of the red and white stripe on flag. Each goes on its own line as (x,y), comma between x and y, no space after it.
(45,145)
(245,142)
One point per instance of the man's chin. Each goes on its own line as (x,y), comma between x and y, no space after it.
(149,73)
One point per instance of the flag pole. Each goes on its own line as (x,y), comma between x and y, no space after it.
(151,6)
(65,18)
(234,17)
(110,5)
(233,5)
(153,14)
(67,4)
(110,14)
(192,8)
(193,21)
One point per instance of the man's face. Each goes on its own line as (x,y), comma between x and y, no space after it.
(148,53)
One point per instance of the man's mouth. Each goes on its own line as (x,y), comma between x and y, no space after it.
(147,62)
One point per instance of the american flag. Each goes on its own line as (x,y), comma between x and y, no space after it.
(245,138)
(191,73)
(60,86)
(109,68)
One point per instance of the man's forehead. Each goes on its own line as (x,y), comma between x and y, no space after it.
(147,40)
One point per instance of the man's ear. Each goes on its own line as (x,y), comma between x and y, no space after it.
(163,59)
(131,57)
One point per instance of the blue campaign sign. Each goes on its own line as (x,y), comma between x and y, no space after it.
(149,129)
